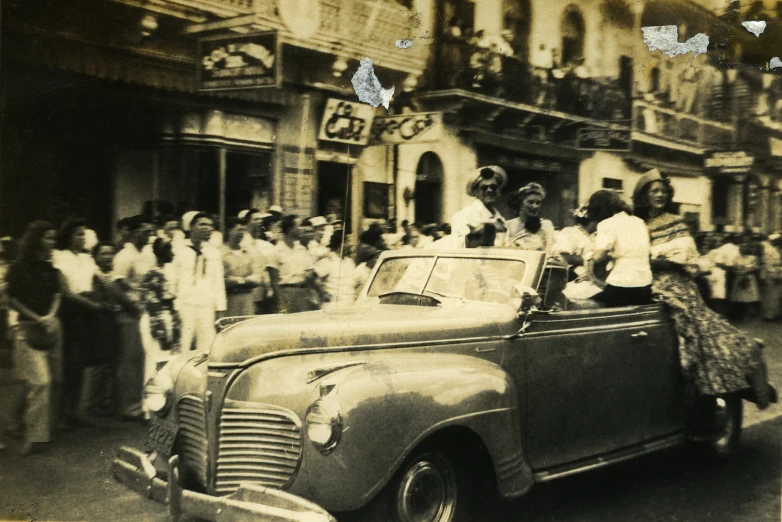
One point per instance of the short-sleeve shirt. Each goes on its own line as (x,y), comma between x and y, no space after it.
(34,284)
(627,239)
(473,215)
(78,270)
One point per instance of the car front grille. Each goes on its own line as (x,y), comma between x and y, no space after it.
(259,444)
(192,436)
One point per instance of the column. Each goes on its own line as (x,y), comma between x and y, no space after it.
(222,156)
(763,216)
(736,202)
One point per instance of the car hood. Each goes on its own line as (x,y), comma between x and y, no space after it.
(361,326)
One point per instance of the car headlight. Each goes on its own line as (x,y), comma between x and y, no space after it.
(324,424)
(158,391)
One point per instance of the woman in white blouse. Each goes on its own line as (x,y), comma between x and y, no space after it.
(77,314)
(624,239)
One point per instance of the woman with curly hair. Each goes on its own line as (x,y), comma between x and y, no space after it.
(717,357)
(528,230)
(34,290)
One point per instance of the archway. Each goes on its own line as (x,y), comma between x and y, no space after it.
(429,189)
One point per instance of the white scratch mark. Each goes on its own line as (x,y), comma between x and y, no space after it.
(665,38)
(368,87)
(404,44)
(755,27)
(775,63)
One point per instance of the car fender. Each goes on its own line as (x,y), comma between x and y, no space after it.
(390,407)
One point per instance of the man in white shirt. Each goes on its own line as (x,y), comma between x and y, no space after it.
(485,185)
(200,284)
(297,282)
(131,264)
(624,239)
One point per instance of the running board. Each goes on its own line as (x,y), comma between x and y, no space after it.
(612,458)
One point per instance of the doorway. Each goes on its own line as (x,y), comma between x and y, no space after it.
(334,191)
(429,189)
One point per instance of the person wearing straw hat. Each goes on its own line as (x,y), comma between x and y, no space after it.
(480,223)
(714,355)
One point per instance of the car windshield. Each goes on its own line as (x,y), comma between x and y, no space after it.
(473,279)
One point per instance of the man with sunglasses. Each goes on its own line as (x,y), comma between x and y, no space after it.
(480,223)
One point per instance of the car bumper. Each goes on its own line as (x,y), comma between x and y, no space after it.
(134,469)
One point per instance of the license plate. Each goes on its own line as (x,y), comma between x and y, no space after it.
(161,436)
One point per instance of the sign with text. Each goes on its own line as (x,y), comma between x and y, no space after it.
(245,61)
(346,122)
(407,128)
(730,160)
(603,139)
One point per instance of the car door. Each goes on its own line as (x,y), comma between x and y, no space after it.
(583,391)
(661,380)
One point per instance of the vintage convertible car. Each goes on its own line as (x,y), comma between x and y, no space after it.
(449,365)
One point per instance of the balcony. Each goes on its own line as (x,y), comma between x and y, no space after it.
(463,64)
(353,29)
(679,127)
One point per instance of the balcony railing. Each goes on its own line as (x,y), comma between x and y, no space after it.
(463,64)
(681,127)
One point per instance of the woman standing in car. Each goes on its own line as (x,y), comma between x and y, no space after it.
(528,230)
(713,354)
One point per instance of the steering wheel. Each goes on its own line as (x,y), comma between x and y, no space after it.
(598,272)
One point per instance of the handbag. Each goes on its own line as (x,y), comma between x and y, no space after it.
(36,336)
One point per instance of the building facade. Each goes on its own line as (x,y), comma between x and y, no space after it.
(122,107)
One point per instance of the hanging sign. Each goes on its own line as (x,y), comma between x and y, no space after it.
(407,128)
(603,139)
(245,61)
(346,122)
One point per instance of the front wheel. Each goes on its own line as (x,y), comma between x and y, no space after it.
(432,486)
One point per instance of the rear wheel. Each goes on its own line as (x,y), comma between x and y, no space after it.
(727,417)
(715,426)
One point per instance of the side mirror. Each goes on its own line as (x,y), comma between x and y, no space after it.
(525,298)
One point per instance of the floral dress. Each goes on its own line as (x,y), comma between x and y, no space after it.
(713,354)
(158,301)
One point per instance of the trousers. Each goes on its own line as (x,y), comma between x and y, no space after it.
(198,323)
(130,366)
(41,372)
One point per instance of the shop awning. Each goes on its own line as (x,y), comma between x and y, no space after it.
(169,73)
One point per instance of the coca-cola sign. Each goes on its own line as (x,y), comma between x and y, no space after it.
(346,122)
(235,62)
(408,128)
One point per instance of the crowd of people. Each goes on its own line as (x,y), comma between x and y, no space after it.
(90,321)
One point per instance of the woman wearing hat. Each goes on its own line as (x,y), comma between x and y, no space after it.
(528,230)
(717,357)
(480,223)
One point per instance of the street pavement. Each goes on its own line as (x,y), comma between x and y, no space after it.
(72,479)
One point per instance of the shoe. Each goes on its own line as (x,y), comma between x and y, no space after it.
(31,447)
